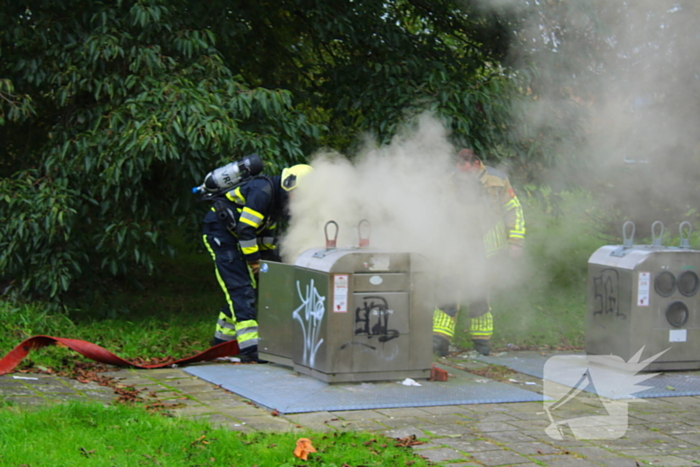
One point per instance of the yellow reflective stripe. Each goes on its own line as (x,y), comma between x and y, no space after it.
(236,196)
(248,247)
(247,333)
(252,218)
(512,204)
(481,327)
(218,276)
(443,323)
(225,328)
(495,239)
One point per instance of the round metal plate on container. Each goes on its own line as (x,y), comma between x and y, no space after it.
(665,283)
(688,283)
(677,314)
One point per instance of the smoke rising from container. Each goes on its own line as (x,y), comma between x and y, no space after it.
(410,194)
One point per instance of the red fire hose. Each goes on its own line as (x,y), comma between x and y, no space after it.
(99,354)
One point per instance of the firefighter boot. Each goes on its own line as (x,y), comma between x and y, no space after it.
(444,323)
(441,345)
(250,355)
(482,346)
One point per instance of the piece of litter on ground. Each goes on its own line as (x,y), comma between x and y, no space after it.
(25,377)
(515,381)
(229,359)
(670,388)
(482,381)
(530,383)
(410,382)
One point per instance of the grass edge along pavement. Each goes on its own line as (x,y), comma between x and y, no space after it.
(85,434)
(663,431)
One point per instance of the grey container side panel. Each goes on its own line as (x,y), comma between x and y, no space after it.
(277,299)
(422,307)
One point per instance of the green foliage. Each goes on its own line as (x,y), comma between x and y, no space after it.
(94,435)
(111,112)
(133,107)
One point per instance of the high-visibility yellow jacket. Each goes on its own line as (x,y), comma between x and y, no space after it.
(504,221)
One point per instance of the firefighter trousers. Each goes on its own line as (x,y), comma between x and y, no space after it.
(237,319)
(480,322)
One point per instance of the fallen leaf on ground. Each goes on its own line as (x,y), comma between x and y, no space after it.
(304,448)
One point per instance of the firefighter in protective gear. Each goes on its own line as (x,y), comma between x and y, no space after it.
(503,228)
(242,228)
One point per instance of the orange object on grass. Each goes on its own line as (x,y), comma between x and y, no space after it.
(304,448)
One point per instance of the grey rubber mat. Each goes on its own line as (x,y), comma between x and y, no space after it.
(571,368)
(279,387)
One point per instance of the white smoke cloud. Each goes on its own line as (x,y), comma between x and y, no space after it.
(410,194)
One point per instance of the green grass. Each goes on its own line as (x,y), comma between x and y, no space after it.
(172,315)
(94,435)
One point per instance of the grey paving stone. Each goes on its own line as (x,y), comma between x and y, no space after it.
(618,461)
(27,400)
(311,418)
(449,409)
(667,461)
(492,458)
(533,448)
(399,422)
(441,454)
(445,419)
(404,432)
(495,417)
(693,438)
(18,391)
(447,430)
(405,412)
(530,424)
(508,437)
(357,425)
(467,445)
(592,451)
(495,426)
(571,462)
(359,415)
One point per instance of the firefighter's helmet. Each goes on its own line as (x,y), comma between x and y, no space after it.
(291,176)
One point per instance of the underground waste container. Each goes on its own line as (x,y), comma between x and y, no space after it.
(347,314)
(645,297)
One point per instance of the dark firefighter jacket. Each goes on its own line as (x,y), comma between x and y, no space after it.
(251,213)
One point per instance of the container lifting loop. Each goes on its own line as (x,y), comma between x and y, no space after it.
(686,227)
(364,239)
(330,243)
(657,233)
(627,240)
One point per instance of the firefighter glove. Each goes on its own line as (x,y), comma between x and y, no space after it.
(254,266)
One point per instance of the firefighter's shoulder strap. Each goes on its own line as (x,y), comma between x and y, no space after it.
(227,207)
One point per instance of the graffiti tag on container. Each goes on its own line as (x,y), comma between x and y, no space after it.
(606,290)
(372,319)
(310,316)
